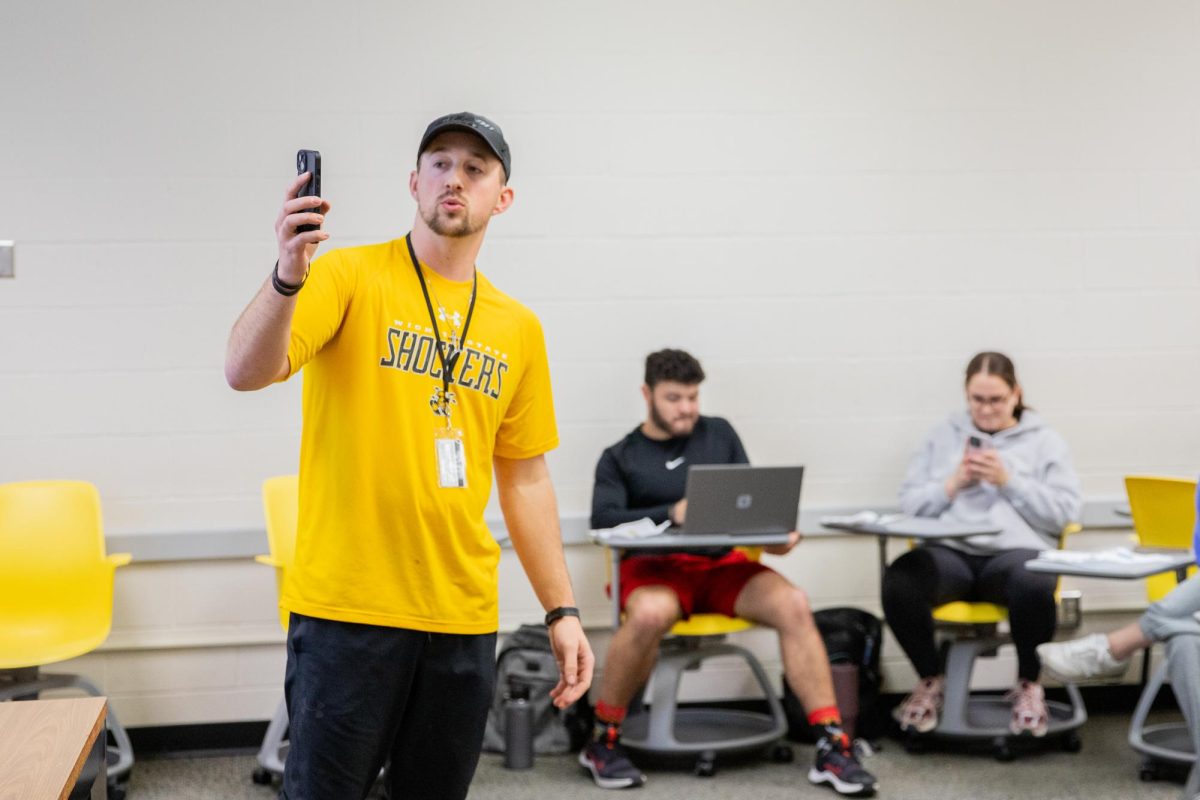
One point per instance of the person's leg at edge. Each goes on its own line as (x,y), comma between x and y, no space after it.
(913,585)
(1106,655)
(1173,615)
(1183,666)
(766,597)
(650,611)
(437,746)
(1029,597)
(344,687)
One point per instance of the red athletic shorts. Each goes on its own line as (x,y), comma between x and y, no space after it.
(703,584)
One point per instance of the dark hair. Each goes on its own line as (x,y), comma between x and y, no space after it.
(672,365)
(1000,365)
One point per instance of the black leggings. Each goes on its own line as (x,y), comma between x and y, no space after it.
(930,575)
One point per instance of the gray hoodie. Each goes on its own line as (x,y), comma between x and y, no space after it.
(1042,494)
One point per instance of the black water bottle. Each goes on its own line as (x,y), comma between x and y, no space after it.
(518,728)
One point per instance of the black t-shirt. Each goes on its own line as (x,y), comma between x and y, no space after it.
(642,477)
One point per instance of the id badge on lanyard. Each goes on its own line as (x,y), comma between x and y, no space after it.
(451,458)
(447,441)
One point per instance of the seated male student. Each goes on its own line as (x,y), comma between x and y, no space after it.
(644,475)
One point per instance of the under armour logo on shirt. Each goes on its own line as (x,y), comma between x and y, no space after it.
(673,463)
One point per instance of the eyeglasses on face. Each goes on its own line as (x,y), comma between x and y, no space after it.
(996,400)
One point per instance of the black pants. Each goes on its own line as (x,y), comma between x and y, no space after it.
(360,695)
(930,575)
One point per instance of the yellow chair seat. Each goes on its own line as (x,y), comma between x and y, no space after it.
(964,613)
(710,625)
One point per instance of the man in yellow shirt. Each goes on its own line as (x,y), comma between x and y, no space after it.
(421,379)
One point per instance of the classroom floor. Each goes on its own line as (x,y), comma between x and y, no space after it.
(1106,769)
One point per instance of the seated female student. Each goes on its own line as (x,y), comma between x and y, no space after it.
(997,463)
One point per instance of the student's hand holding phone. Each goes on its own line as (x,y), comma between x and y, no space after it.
(296,247)
(961,477)
(986,465)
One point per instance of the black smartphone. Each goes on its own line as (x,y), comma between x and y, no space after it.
(309,161)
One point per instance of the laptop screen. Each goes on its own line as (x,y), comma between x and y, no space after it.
(735,499)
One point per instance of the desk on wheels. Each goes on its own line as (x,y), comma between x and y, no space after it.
(1170,741)
(696,732)
(45,745)
(966,716)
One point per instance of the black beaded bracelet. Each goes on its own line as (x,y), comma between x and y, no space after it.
(284,288)
(558,613)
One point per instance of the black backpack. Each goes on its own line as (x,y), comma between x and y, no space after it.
(852,636)
(527,663)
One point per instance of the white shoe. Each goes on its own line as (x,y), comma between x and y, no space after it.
(1080,659)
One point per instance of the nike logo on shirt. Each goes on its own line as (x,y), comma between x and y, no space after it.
(672,464)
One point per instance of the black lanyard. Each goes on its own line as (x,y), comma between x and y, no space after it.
(448,362)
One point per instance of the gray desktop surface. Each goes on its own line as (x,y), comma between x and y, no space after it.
(918,528)
(681,541)
(205,544)
(1112,569)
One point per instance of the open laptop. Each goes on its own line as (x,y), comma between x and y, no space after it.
(741,500)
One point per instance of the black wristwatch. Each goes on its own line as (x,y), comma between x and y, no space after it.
(558,613)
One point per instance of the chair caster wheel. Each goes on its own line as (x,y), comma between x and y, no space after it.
(261,776)
(1071,743)
(117,791)
(782,754)
(1001,751)
(1147,774)
(706,765)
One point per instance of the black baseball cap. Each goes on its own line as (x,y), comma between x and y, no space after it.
(482,127)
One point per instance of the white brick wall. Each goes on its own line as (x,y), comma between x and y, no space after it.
(838,200)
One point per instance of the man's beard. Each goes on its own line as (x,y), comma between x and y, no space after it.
(661,423)
(451,228)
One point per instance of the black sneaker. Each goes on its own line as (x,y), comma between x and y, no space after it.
(610,766)
(837,766)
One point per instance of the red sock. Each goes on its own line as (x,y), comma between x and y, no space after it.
(828,716)
(608,723)
(612,715)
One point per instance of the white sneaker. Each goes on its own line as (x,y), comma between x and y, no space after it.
(1080,659)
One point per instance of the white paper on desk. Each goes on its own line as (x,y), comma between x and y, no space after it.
(863,518)
(642,528)
(1114,555)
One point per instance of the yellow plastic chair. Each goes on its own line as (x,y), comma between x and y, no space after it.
(56,594)
(281,506)
(986,716)
(666,729)
(1164,515)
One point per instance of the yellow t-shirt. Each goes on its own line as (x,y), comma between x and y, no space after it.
(379,542)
